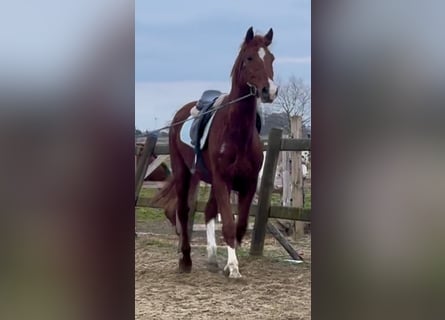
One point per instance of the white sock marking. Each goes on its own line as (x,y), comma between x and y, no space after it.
(211,241)
(232,263)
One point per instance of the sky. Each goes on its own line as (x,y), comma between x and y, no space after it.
(186,47)
(45,43)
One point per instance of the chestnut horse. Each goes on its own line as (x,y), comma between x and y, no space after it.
(233,155)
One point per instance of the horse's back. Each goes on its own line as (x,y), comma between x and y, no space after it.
(181,115)
(177,147)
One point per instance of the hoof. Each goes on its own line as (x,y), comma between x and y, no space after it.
(235,275)
(232,272)
(185,266)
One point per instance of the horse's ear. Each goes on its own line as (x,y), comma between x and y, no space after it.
(249,35)
(268,37)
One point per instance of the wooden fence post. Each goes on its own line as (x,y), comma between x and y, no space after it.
(297,176)
(265,194)
(286,226)
(137,156)
(142,165)
(286,197)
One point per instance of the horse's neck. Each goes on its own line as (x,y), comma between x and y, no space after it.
(242,116)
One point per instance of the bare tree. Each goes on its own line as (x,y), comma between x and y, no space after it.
(294,98)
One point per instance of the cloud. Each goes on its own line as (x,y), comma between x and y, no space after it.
(296,60)
(201,41)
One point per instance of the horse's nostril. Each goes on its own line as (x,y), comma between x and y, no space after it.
(265,90)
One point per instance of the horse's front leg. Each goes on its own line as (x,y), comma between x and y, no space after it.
(245,197)
(222,192)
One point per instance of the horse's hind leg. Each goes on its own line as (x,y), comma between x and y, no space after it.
(182,186)
(192,198)
(211,211)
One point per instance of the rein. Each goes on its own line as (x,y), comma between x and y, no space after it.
(253,92)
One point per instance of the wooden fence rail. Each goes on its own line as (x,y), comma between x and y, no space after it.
(286,145)
(278,212)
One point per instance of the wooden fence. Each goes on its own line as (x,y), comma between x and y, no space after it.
(263,210)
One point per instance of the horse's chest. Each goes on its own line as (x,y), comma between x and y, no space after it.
(245,168)
(243,164)
(242,161)
(239,160)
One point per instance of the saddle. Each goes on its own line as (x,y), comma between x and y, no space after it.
(205,104)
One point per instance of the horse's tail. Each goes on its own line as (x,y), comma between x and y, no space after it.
(166,198)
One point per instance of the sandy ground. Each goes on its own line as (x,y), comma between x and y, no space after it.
(270,288)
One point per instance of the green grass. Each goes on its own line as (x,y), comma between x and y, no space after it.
(147,193)
(149,214)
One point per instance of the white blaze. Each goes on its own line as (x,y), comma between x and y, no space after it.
(262,53)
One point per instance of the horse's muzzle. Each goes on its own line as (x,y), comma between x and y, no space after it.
(267,95)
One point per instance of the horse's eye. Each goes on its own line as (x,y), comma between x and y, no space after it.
(249,58)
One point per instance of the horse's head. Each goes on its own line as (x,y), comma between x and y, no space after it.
(253,67)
